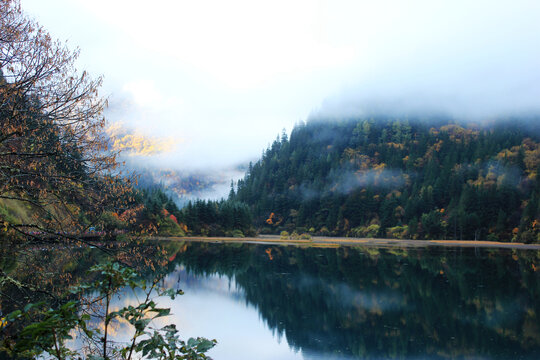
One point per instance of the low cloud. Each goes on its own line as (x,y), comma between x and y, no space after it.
(229,80)
(187,185)
(381,178)
(345,181)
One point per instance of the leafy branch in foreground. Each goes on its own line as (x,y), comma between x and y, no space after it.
(57,171)
(52,336)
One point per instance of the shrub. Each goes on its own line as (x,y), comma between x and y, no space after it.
(52,332)
(372,230)
(324,231)
(359,231)
(492,237)
(237,233)
(167,226)
(398,232)
(527,237)
(362,231)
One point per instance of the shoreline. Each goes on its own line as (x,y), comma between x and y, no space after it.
(320,241)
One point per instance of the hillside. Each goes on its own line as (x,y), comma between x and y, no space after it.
(399,178)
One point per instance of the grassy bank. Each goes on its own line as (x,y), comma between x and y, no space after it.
(330,241)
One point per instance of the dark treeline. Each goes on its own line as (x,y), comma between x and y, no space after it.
(218,218)
(159,214)
(399,178)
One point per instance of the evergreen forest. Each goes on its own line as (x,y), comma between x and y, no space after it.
(399,178)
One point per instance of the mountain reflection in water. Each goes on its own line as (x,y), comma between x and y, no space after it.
(287,302)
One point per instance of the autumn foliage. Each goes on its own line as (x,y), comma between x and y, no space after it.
(54,158)
(434,178)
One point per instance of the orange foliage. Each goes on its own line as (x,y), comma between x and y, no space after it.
(395,145)
(433,148)
(356,157)
(130,215)
(270,219)
(269,253)
(458,133)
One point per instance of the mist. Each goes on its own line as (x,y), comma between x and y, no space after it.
(217,89)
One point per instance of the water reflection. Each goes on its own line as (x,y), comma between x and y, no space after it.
(291,303)
(216,307)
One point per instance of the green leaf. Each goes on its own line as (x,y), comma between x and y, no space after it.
(172,293)
(141,324)
(14,315)
(162,312)
(37,338)
(205,344)
(192,342)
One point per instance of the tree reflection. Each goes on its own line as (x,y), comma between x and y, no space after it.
(378,303)
(363,302)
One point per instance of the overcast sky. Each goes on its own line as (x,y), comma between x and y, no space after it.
(220,79)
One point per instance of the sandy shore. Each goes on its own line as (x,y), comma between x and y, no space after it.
(319,241)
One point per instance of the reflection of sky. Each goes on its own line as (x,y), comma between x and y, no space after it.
(213,307)
(431,322)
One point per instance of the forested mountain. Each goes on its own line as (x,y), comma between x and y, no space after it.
(384,177)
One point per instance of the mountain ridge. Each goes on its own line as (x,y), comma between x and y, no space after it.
(388,177)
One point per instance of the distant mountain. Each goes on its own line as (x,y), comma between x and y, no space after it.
(184,186)
(412,178)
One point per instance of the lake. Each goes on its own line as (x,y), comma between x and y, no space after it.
(289,302)
(264,301)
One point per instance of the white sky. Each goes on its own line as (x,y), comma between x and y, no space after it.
(224,77)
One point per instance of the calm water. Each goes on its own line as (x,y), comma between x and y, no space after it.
(286,302)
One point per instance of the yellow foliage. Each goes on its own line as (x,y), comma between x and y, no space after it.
(138,144)
(458,133)
(395,145)
(379,167)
